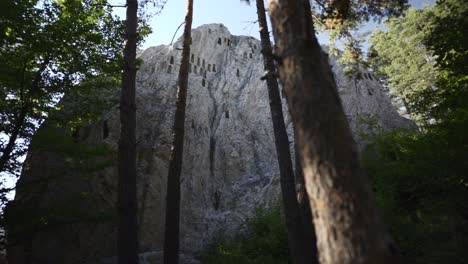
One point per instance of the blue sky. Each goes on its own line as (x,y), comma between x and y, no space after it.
(234,14)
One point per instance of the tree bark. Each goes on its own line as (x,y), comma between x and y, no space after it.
(127,240)
(302,244)
(347,226)
(171,234)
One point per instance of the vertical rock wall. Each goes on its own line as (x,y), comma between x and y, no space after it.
(229,168)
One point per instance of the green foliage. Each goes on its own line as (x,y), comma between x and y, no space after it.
(265,242)
(421,186)
(447,39)
(48,49)
(422,58)
(420,178)
(339,18)
(409,67)
(60,60)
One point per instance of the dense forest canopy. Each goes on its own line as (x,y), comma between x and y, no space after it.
(63,61)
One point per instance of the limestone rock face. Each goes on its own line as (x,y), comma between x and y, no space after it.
(229,164)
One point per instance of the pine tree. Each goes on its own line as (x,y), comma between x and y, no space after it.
(346,222)
(171,234)
(301,234)
(127,239)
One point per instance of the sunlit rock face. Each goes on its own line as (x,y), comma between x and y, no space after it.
(229,163)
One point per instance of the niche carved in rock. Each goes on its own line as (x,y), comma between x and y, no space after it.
(105,129)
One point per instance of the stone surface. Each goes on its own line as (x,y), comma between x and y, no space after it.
(229,165)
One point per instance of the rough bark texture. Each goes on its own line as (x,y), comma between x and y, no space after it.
(171,232)
(301,244)
(127,240)
(346,223)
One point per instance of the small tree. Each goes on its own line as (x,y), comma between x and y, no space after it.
(171,234)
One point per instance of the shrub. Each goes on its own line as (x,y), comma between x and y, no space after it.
(264,242)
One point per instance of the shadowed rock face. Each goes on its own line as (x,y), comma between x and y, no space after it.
(229,168)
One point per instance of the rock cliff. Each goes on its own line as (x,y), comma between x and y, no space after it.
(229,168)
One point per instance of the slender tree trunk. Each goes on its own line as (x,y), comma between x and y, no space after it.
(347,226)
(303,199)
(8,150)
(19,122)
(171,234)
(301,244)
(127,240)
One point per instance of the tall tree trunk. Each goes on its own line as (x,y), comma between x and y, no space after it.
(301,244)
(347,226)
(127,240)
(171,234)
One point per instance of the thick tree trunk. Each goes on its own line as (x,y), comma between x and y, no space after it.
(171,234)
(301,244)
(127,240)
(346,223)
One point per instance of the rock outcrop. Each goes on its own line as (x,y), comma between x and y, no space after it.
(229,165)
